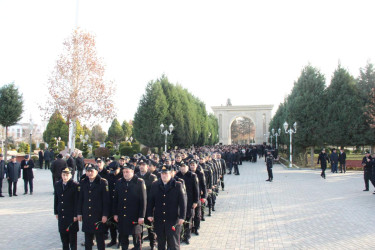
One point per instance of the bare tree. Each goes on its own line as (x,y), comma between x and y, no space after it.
(77,87)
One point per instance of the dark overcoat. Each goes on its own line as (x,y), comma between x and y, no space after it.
(27,173)
(93,204)
(130,204)
(13,171)
(192,190)
(66,204)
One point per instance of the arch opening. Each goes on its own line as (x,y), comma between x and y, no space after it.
(242,131)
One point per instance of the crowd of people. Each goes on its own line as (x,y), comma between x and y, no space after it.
(166,196)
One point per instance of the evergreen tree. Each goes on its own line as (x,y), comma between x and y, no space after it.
(11,109)
(115,132)
(127,128)
(98,134)
(56,127)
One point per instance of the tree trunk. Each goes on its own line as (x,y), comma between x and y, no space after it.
(6,145)
(72,135)
(312,156)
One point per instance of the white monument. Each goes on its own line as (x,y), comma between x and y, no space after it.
(260,115)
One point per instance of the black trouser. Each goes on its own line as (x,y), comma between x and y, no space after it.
(188,225)
(125,241)
(270,175)
(342,167)
(79,174)
(236,168)
(69,239)
(151,233)
(222,182)
(230,166)
(172,239)
(1,186)
(30,181)
(89,237)
(323,174)
(197,216)
(10,183)
(47,164)
(367,174)
(113,230)
(41,164)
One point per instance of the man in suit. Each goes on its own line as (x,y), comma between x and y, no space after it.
(41,159)
(2,174)
(56,168)
(71,162)
(13,173)
(129,207)
(167,207)
(342,160)
(47,159)
(93,206)
(80,163)
(27,166)
(65,208)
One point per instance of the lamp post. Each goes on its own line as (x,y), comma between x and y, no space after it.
(31,133)
(266,135)
(278,133)
(57,142)
(290,132)
(271,136)
(166,133)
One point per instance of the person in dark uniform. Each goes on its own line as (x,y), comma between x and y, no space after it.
(367,170)
(65,208)
(192,192)
(236,161)
(93,206)
(269,164)
(27,166)
(323,158)
(71,163)
(56,168)
(209,184)
(223,170)
(115,174)
(342,160)
(149,178)
(41,159)
(202,196)
(47,159)
(80,163)
(2,174)
(153,169)
(13,173)
(129,207)
(167,207)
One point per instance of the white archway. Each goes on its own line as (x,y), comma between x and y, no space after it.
(231,123)
(260,115)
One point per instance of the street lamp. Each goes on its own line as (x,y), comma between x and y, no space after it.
(166,133)
(276,134)
(266,135)
(31,133)
(57,142)
(290,132)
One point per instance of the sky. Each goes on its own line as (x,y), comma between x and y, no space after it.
(249,51)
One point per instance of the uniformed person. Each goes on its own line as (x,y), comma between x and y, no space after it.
(192,192)
(323,158)
(209,185)
(167,208)
(269,163)
(93,206)
(114,175)
(202,196)
(149,178)
(65,208)
(130,207)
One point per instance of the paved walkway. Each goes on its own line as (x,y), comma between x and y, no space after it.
(299,210)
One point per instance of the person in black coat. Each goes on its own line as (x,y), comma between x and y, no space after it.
(323,158)
(27,166)
(80,163)
(2,174)
(129,207)
(65,208)
(202,196)
(167,207)
(367,170)
(93,206)
(13,173)
(334,161)
(71,163)
(269,164)
(47,159)
(342,160)
(192,192)
(223,170)
(41,159)
(56,168)
(149,178)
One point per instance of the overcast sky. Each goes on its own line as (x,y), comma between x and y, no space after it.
(248,51)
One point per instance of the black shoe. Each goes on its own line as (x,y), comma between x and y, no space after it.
(268,180)
(10,195)
(271,180)
(196,232)
(106,237)
(15,195)
(146,238)
(187,242)
(112,243)
(203,219)
(24,193)
(31,193)
(365,190)
(2,195)
(237,174)
(213,209)
(230,173)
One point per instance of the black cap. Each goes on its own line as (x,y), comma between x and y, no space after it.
(165,168)
(113,165)
(133,159)
(60,156)
(192,161)
(129,166)
(67,170)
(99,159)
(26,156)
(13,157)
(107,159)
(143,161)
(90,166)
